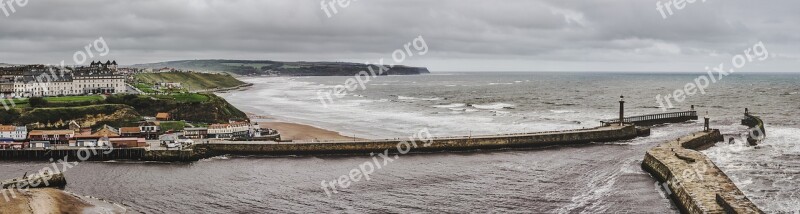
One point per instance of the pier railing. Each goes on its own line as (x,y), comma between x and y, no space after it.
(654,118)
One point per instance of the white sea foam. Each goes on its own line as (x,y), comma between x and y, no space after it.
(563,111)
(452,105)
(493,106)
(417,98)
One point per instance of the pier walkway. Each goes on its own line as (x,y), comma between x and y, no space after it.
(654,119)
(522,140)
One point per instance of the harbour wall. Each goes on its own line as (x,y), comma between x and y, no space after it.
(101,154)
(695,183)
(601,134)
(754,122)
(531,140)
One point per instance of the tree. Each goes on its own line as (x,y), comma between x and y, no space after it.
(37,102)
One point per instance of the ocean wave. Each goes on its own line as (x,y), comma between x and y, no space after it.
(493,106)
(450,106)
(417,98)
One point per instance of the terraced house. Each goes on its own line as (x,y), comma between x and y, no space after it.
(43,81)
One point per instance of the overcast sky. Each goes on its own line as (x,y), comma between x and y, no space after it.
(462,35)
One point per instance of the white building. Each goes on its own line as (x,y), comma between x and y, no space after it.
(39,80)
(228,130)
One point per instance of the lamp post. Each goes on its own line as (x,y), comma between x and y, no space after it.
(621,110)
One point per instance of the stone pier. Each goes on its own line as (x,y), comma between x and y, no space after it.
(522,140)
(692,180)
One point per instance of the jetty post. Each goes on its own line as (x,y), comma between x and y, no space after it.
(706,126)
(621,110)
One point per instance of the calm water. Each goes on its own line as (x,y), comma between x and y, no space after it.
(598,178)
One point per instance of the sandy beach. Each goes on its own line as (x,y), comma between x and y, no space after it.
(49,200)
(294,131)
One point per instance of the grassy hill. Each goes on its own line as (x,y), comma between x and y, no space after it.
(191,81)
(267,67)
(119,110)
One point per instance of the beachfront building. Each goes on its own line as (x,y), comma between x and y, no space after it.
(127,142)
(40,144)
(13,132)
(52,136)
(229,130)
(133,131)
(8,143)
(195,133)
(149,130)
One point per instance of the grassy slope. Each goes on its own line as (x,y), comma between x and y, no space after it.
(192,81)
(74,98)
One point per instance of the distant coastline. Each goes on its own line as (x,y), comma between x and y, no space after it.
(278,68)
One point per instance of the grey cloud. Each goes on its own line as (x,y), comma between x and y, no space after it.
(506,35)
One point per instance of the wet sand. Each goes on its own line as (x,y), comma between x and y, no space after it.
(48,200)
(43,201)
(299,132)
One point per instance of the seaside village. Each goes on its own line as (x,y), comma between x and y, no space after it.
(104,78)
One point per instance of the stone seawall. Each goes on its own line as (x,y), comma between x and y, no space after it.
(601,134)
(102,154)
(693,181)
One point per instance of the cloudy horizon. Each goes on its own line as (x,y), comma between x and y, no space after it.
(518,35)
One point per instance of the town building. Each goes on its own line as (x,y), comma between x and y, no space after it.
(162,116)
(133,131)
(149,130)
(195,133)
(52,136)
(40,144)
(42,81)
(13,132)
(127,142)
(106,131)
(8,143)
(229,130)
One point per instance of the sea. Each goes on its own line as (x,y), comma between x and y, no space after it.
(592,178)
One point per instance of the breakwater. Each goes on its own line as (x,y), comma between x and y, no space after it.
(758,132)
(692,180)
(600,134)
(101,154)
(525,140)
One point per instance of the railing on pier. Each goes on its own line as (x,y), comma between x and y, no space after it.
(655,118)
